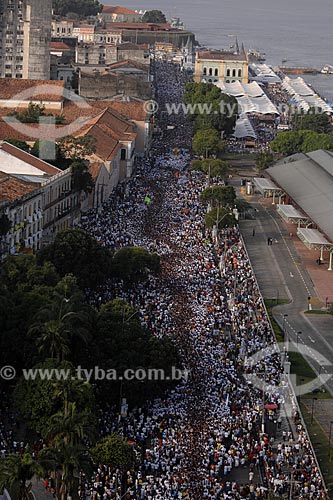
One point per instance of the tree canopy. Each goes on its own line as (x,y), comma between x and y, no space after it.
(301,141)
(223,196)
(114,452)
(206,142)
(211,108)
(154,16)
(264,160)
(214,167)
(75,251)
(82,8)
(311,120)
(133,263)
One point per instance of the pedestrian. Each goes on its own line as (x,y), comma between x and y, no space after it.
(254,231)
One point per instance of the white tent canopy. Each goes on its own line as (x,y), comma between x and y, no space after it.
(244,128)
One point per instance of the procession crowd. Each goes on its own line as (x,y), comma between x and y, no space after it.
(204,440)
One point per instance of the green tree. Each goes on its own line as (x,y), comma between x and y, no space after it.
(220,218)
(206,142)
(264,160)
(211,108)
(311,120)
(77,148)
(223,196)
(16,471)
(81,177)
(134,263)
(55,327)
(34,113)
(154,16)
(214,167)
(58,161)
(82,8)
(76,252)
(301,141)
(19,144)
(113,451)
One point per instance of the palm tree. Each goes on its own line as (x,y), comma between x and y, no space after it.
(69,390)
(16,470)
(56,325)
(66,451)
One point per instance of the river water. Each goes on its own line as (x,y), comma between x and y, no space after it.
(299,32)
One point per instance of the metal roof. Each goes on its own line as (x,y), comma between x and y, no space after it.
(309,183)
(313,237)
(265,184)
(290,212)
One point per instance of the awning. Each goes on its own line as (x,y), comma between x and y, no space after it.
(266,185)
(291,214)
(313,238)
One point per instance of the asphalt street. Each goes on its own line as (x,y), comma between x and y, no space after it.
(280,274)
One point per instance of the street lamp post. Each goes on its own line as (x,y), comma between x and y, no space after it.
(313,400)
(329,441)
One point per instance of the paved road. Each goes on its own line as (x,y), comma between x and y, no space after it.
(280,274)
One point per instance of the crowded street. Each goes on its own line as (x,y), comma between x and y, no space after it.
(204,439)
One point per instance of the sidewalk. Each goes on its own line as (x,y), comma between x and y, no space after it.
(320,276)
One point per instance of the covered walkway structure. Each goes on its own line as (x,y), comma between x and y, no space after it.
(312,238)
(268,188)
(291,214)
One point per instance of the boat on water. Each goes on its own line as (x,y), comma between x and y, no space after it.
(327,70)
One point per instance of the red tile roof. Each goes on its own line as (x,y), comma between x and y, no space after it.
(9,89)
(28,158)
(108,9)
(221,56)
(132,110)
(60,46)
(108,129)
(12,189)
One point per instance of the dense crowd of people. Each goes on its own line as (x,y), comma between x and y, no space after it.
(204,439)
(190,444)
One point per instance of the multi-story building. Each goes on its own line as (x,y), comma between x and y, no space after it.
(22,203)
(25,34)
(38,199)
(220,66)
(119,15)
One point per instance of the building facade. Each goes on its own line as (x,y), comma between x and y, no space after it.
(220,66)
(25,34)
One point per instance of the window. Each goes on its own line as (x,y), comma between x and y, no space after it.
(233,72)
(228,72)
(216,73)
(123,154)
(239,72)
(205,71)
(210,71)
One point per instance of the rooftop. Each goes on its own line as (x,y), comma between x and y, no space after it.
(12,189)
(36,89)
(16,161)
(222,56)
(108,9)
(308,179)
